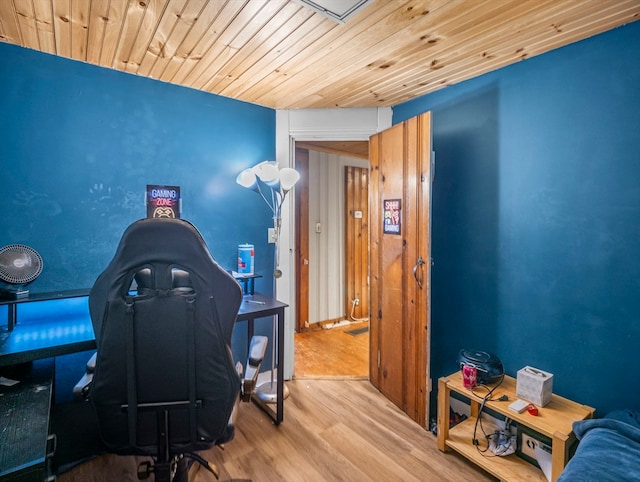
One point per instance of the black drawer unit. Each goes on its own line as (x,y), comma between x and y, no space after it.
(27,448)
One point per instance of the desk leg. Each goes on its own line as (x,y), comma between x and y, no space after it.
(12,316)
(249,332)
(278,416)
(280,378)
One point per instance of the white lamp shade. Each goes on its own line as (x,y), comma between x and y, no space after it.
(288,178)
(247,178)
(267,172)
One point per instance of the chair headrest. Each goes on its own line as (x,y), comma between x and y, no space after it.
(163,253)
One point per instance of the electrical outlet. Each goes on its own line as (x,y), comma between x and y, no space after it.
(356,301)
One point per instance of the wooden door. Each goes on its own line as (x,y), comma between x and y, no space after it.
(302,239)
(400,194)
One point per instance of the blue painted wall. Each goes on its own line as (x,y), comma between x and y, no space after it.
(80,143)
(536,218)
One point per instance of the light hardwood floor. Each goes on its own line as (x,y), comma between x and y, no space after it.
(333,430)
(332,353)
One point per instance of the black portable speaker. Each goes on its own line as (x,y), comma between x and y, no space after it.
(489,366)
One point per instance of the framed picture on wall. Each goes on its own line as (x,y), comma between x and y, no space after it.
(392,222)
(163,201)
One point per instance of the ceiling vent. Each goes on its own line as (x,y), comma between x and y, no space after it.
(337,10)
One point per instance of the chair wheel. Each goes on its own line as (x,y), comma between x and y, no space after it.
(144,470)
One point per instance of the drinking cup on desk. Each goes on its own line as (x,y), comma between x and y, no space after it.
(469,376)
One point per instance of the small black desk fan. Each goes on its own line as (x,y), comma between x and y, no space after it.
(19,266)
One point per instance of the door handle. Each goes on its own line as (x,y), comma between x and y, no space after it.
(420,262)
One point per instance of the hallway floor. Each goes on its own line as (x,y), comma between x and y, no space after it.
(332,353)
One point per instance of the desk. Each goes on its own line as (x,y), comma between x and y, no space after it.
(55,336)
(12,305)
(259,306)
(24,342)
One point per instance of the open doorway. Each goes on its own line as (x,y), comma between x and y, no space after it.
(332,296)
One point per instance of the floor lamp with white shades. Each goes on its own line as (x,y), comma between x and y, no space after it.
(273,185)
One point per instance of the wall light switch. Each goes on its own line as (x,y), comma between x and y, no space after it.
(318,228)
(271,233)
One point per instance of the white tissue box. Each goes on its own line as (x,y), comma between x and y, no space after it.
(534,385)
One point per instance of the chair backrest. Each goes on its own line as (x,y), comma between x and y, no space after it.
(163,346)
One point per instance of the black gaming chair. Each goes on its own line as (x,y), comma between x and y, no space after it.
(164,383)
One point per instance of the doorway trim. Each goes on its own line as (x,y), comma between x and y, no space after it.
(356,124)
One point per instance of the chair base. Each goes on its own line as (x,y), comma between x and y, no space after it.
(174,470)
(268,392)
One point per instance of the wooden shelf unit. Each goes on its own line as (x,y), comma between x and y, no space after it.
(555,421)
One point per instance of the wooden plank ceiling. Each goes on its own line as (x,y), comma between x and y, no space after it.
(280,54)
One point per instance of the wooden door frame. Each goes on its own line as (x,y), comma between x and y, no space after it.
(302,240)
(301,237)
(357,124)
